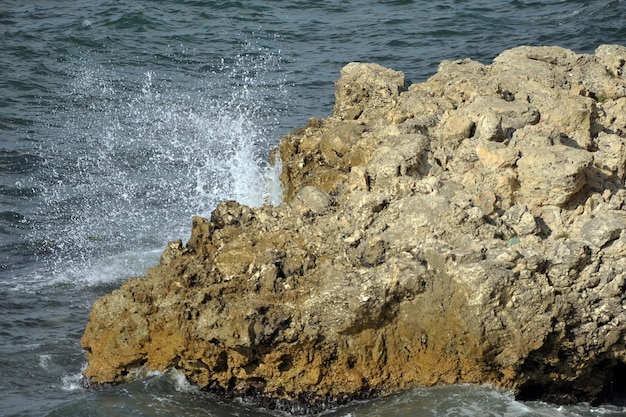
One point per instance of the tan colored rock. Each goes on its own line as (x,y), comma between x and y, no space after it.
(363,88)
(311,199)
(520,220)
(468,229)
(603,228)
(456,128)
(614,112)
(551,175)
(495,156)
(602,73)
(496,118)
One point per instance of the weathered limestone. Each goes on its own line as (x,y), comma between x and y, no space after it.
(466,229)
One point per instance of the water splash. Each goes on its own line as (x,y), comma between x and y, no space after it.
(465,401)
(131,157)
(72,382)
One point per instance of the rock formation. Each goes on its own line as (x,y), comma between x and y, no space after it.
(468,229)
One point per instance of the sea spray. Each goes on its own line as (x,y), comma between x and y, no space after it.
(132,157)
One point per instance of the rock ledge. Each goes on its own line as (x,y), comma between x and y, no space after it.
(468,229)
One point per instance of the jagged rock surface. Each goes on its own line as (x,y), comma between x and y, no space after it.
(465,229)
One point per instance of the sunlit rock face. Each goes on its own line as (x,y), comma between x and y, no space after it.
(468,229)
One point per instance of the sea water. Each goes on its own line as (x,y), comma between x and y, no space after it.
(119,121)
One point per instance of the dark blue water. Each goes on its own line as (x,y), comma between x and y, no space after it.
(118,122)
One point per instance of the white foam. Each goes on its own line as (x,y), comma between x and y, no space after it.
(89,271)
(44,361)
(136,156)
(273,193)
(181,383)
(72,382)
(172,375)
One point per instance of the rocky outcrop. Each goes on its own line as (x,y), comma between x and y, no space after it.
(465,229)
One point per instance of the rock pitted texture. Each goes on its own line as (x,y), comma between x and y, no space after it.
(465,229)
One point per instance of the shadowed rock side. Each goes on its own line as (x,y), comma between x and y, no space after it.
(467,229)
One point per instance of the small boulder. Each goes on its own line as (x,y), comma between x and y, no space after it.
(551,175)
